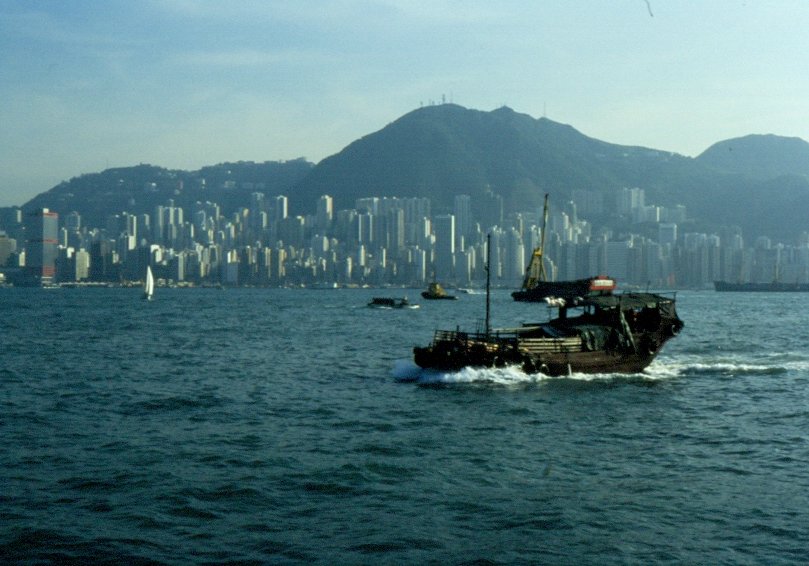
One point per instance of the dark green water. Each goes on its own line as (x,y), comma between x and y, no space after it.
(281,426)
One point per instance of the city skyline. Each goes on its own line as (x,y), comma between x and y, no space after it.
(183,84)
(384,241)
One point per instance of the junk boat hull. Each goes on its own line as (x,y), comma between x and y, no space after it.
(460,354)
(614,334)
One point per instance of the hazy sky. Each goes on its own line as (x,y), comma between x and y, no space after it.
(91,84)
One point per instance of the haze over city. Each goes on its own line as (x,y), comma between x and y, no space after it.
(184,84)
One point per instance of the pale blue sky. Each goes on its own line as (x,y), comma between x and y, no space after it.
(91,84)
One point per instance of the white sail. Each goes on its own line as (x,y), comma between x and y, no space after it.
(148,286)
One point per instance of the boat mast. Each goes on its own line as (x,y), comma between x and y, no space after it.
(488,277)
(535,272)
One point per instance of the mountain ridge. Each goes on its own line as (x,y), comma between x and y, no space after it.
(444,150)
(763,156)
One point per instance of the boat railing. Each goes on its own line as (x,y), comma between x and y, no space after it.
(457,335)
(532,345)
(551,345)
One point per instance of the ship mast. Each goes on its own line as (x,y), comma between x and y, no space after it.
(488,278)
(535,272)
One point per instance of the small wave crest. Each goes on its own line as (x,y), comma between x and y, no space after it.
(734,369)
(729,368)
(407,371)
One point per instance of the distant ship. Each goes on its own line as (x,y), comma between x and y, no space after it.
(590,287)
(536,287)
(773,287)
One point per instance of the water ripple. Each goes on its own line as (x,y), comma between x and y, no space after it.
(279,426)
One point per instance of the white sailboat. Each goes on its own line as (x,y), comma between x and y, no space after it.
(148,285)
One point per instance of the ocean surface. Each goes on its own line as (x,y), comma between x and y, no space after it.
(274,426)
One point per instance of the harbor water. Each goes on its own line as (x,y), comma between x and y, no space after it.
(275,426)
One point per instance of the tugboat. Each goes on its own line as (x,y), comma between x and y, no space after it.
(610,333)
(436,292)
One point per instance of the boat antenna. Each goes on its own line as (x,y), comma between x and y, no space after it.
(488,278)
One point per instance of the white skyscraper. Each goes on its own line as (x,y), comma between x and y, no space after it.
(281,208)
(513,264)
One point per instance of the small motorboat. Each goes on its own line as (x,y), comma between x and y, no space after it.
(391,303)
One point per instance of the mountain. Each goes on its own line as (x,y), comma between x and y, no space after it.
(759,183)
(762,185)
(759,156)
(141,188)
(440,151)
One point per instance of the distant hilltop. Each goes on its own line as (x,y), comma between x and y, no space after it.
(759,182)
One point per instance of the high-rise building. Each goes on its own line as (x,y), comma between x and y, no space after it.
(630,199)
(42,237)
(258,218)
(369,205)
(463,217)
(513,260)
(10,220)
(325,212)
(281,208)
(365,229)
(395,221)
(100,260)
(667,234)
(73,222)
(491,210)
(82,263)
(8,246)
(157,224)
(444,247)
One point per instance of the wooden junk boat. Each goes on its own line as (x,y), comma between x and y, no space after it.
(608,333)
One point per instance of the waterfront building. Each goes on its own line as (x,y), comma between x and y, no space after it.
(42,240)
(8,246)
